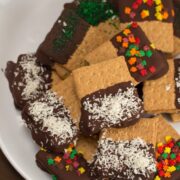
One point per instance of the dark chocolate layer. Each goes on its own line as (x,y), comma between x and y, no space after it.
(27,78)
(63,39)
(177,18)
(59,168)
(49,122)
(177,82)
(115,106)
(132,43)
(124,160)
(136,8)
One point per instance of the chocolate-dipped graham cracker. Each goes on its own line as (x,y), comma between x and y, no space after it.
(66,166)
(126,153)
(155,18)
(50,122)
(141,57)
(27,78)
(162,95)
(77,32)
(177,27)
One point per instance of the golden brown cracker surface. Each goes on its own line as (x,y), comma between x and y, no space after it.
(61,71)
(176,46)
(175,117)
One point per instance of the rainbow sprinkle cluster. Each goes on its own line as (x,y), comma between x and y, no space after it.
(160,13)
(70,158)
(168,158)
(136,57)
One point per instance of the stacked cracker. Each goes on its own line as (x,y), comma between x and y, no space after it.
(90,123)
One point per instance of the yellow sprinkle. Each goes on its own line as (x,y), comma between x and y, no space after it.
(159,8)
(171,169)
(159,16)
(168,138)
(69,149)
(152,45)
(167,150)
(42,149)
(159,144)
(157,178)
(67,167)
(81,170)
(158,2)
(145,1)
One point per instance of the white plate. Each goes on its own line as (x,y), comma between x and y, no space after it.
(23,25)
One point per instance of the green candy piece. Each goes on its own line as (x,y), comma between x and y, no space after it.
(149,53)
(173,156)
(144,63)
(73,154)
(54,177)
(50,161)
(133,46)
(142,53)
(178,167)
(178,143)
(128,54)
(164,155)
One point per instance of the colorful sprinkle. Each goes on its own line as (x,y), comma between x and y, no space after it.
(144,14)
(50,161)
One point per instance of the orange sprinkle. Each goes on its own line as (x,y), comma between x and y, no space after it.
(133,51)
(126,31)
(167,174)
(172,12)
(144,14)
(165,168)
(132,39)
(127,10)
(57,159)
(132,60)
(166,162)
(133,69)
(118,38)
(165,15)
(157,155)
(125,44)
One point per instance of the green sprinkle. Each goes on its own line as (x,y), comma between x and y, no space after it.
(128,54)
(54,177)
(95,11)
(144,63)
(73,154)
(133,46)
(149,53)
(178,167)
(173,156)
(164,155)
(142,53)
(50,161)
(178,143)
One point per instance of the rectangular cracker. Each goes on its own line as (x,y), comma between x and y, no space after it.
(175,117)
(99,76)
(165,129)
(176,46)
(145,128)
(159,95)
(66,90)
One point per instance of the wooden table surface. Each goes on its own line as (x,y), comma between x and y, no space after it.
(7,172)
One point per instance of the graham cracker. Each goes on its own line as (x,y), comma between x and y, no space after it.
(159,94)
(61,71)
(175,117)
(66,90)
(159,33)
(95,36)
(87,146)
(145,128)
(104,52)
(55,79)
(165,129)
(176,46)
(100,76)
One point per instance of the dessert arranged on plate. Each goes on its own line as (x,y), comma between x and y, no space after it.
(95,92)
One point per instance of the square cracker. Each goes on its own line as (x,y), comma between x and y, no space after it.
(100,76)
(165,129)
(66,90)
(146,129)
(159,94)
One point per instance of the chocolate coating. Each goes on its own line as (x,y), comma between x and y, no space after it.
(63,39)
(16,73)
(120,5)
(177,18)
(59,169)
(157,59)
(92,123)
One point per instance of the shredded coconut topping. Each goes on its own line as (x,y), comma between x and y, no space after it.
(33,80)
(112,109)
(127,159)
(54,117)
